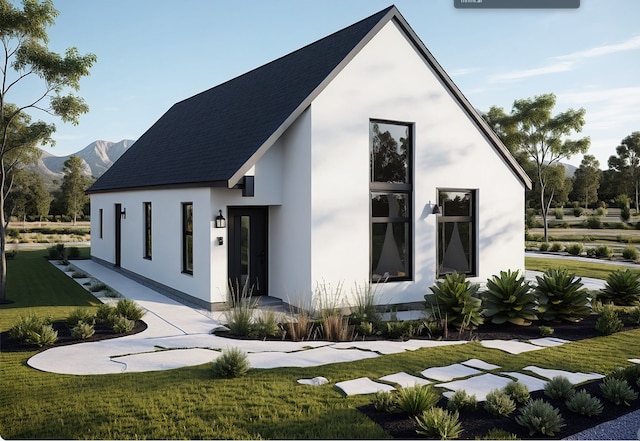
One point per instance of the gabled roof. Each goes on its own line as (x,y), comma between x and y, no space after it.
(215,137)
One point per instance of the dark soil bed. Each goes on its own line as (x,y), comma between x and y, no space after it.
(103,332)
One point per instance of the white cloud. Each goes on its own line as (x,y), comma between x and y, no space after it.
(631,44)
(561,66)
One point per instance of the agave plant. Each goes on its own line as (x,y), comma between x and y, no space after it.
(561,296)
(622,287)
(509,299)
(456,298)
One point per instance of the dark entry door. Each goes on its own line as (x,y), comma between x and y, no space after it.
(118,244)
(248,248)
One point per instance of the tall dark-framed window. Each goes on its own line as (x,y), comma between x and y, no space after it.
(187,237)
(147,230)
(100,222)
(391,196)
(457,232)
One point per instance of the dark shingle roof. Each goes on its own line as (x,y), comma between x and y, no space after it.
(205,139)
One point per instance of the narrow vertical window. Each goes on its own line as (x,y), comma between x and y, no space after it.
(100,221)
(187,237)
(390,188)
(147,230)
(457,232)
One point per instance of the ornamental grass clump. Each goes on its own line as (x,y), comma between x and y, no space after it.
(121,324)
(622,288)
(231,363)
(83,330)
(384,402)
(267,325)
(461,400)
(559,388)
(129,309)
(583,403)
(456,299)
(509,298)
(609,322)
(80,315)
(540,417)
(33,330)
(561,296)
(437,423)
(618,391)
(519,392)
(416,399)
(498,403)
(105,314)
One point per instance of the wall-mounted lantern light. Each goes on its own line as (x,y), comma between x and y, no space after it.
(123,213)
(436,209)
(221,222)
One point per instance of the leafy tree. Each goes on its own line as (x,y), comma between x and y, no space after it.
(29,195)
(627,163)
(40,196)
(531,130)
(42,80)
(586,180)
(73,187)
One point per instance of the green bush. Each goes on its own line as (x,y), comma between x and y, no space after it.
(230,364)
(617,391)
(634,315)
(602,252)
(625,214)
(73,252)
(519,392)
(608,322)
(129,309)
(561,296)
(556,247)
(559,213)
(33,330)
(540,417)
(456,299)
(267,325)
(105,314)
(461,400)
(593,222)
(559,388)
(384,402)
(630,253)
(96,287)
(82,330)
(498,403)
(577,211)
(583,403)
(575,249)
(416,399)
(546,331)
(437,423)
(121,324)
(631,374)
(79,315)
(496,434)
(509,298)
(622,287)
(544,246)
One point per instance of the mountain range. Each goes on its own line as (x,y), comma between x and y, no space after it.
(97,158)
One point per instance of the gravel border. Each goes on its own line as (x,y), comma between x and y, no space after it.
(626,427)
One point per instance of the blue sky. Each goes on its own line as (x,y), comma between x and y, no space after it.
(153,53)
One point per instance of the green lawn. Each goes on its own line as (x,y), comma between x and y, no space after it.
(189,403)
(580,268)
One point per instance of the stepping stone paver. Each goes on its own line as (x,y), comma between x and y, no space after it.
(405,380)
(363,386)
(451,372)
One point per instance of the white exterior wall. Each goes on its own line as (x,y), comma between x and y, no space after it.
(390,80)
(165,266)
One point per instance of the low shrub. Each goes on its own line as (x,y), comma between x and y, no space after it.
(546,331)
(267,325)
(631,374)
(498,403)
(509,298)
(575,249)
(559,388)
(79,275)
(401,330)
(437,423)
(384,402)
(559,213)
(456,299)
(365,329)
(617,391)
(556,247)
(121,324)
(129,309)
(540,417)
(561,296)
(416,399)
(519,392)
(96,287)
(80,315)
(230,364)
(496,434)
(33,330)
(593,222)
(608,322)
(622,287)
(583,403)
(634,316)
(461,400)
(602,252)
(73,252)
(82,330)
(544,246)
(630,253)
(105,314)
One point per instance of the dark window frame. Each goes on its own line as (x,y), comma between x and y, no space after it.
(391,188)
(148,237)
(101,224)
(472,219)
(187,235)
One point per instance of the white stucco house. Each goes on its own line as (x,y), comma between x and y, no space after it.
(352,160)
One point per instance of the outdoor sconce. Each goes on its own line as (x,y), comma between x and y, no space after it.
(221,222)
(123,213)
(220,241)
(436,209)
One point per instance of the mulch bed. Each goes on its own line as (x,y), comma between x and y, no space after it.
(477,424)
(103,332)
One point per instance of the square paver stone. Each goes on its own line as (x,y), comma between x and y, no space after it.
(479,386)
(405,380)
(510,346)
(573,377)
(548,342)
(479,364)
(532,383)
(362,386)
(451,372)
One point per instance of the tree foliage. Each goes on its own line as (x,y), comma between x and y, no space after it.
(586,180)
(45,80)
(74,185)
(627,162)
